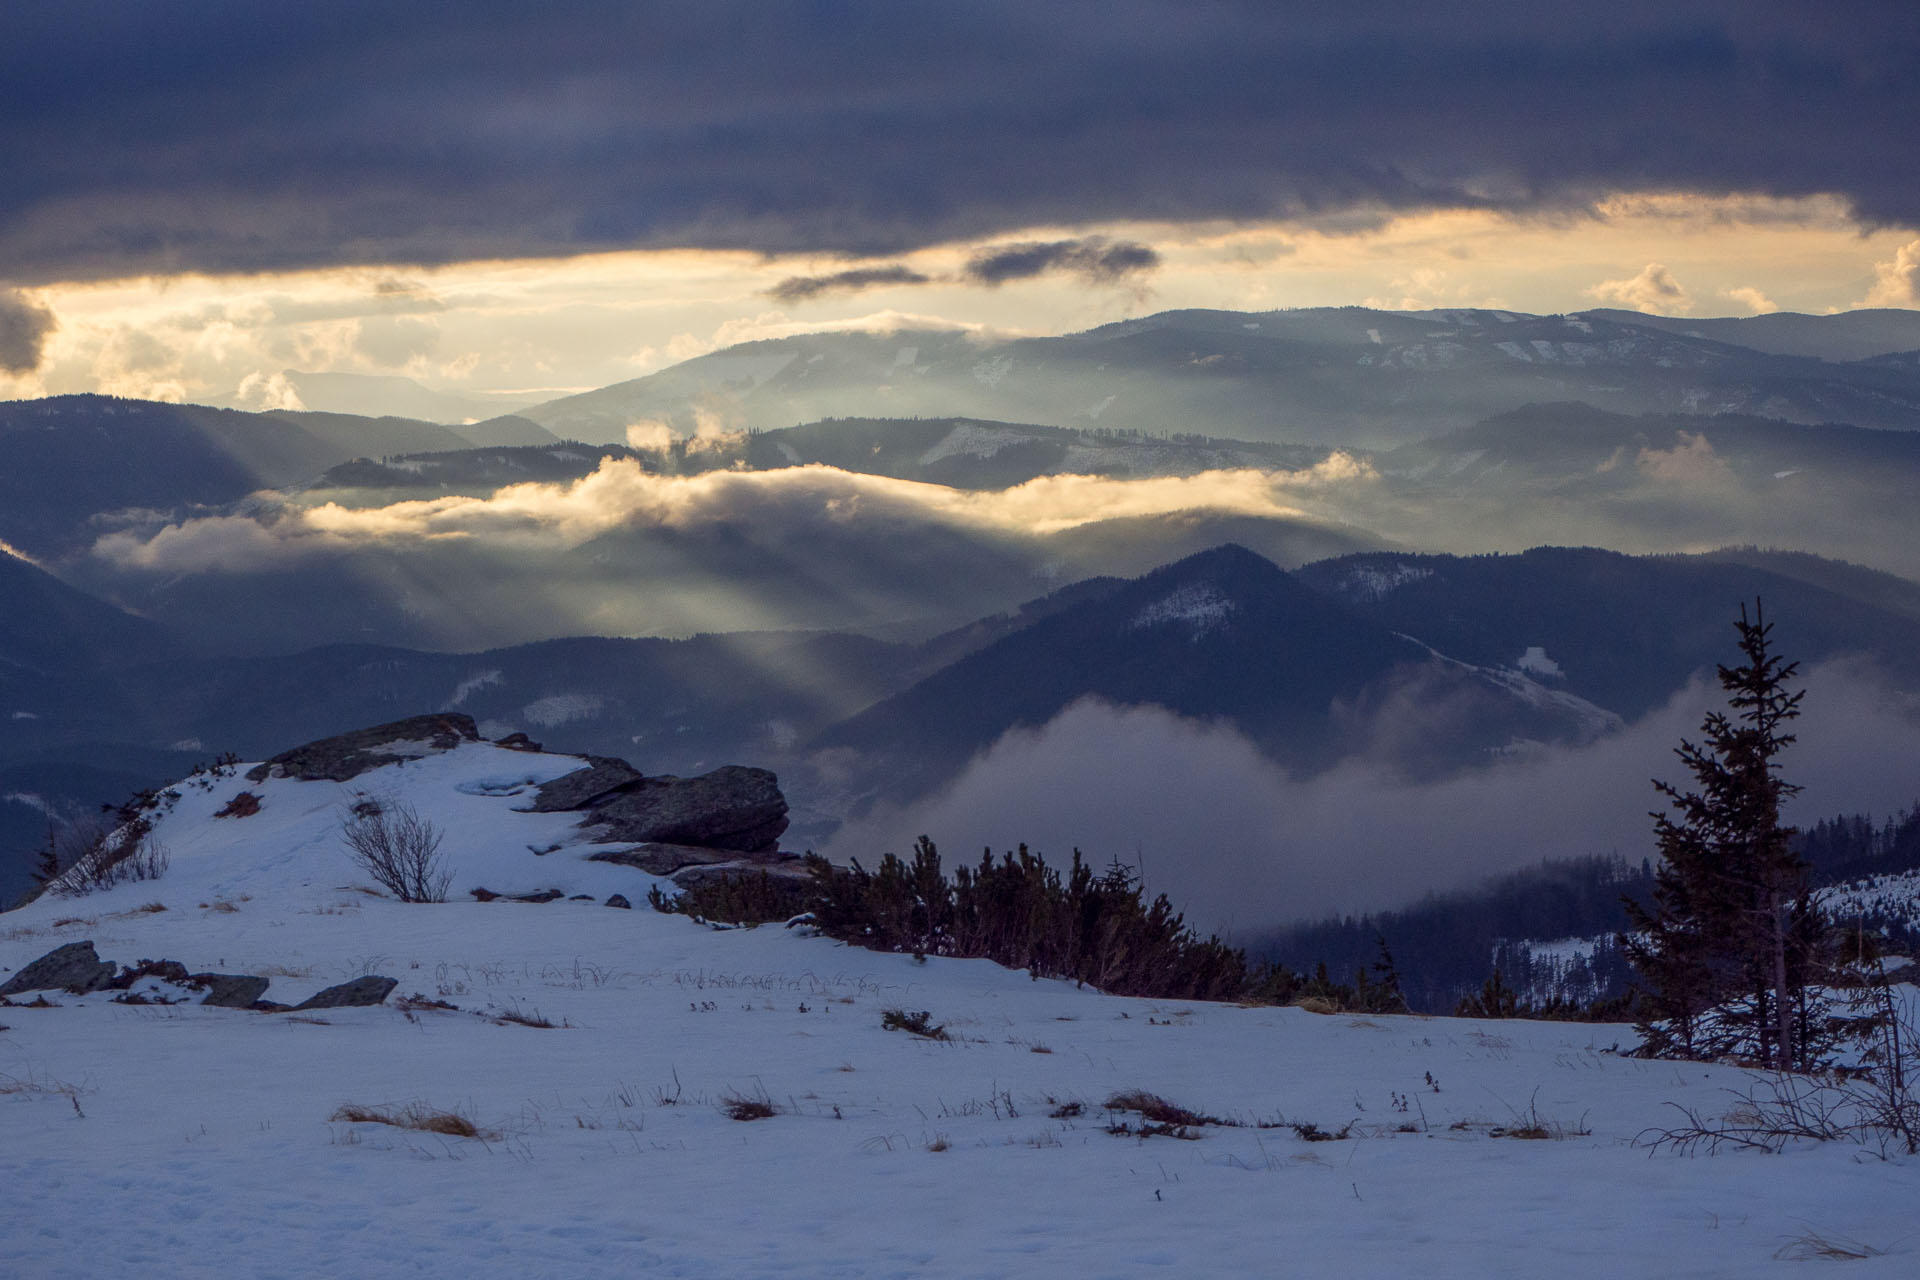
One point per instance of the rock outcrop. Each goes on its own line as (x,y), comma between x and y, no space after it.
(694,829)
(230,990)
(734,807)
(76,967)
(349,755)
(657,859)
(369,990)
(603,776)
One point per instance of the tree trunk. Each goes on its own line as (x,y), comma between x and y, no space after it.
(1785,1059)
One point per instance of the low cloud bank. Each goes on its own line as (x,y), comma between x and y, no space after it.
(619,495)
(1240,845)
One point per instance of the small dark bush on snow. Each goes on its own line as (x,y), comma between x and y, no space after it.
(1024,914)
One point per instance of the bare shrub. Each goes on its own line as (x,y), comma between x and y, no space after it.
(399,849)
(93,856)
(1812,1245)
(1876,1104)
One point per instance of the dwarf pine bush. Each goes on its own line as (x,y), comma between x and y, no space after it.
(1020,912)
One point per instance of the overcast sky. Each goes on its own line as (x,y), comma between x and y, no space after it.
(510,197)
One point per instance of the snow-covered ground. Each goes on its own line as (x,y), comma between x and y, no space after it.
(187,1141)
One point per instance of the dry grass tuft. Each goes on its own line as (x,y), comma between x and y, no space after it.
(415,1115)
(1812,1245)
(737,1106)
(525,1018)
(243,805)
(36,1084)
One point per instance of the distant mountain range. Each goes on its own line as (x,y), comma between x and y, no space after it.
(375,395)
(1553,646)
(1345,376)
(888,552)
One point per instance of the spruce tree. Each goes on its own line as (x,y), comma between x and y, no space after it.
(1726,947)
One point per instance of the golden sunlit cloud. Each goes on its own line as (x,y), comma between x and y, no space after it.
(1752,299)
(1897,283)
(518,332)
(1653,291)
(619,495)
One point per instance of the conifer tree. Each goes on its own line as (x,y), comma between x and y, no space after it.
(1726,947)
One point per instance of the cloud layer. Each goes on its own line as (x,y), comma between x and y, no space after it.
(309,134)
(1240,845)
(619,495)
(1093,259)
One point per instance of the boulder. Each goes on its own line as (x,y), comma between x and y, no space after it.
(620,900)
(230,990)
(75,967)
(603,776)
(349,755)
(734,807)
(371,989)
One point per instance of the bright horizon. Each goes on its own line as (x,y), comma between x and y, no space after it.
(532,329)
(518,204)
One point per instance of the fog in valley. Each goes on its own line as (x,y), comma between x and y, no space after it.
(1240,846)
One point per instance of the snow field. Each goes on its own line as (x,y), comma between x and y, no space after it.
(186,1141)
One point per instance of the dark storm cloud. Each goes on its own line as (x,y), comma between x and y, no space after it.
(1095,259)
(805,288)
(24,326)
(232,135)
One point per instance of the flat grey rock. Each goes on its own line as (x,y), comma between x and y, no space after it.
(789,869)
(579,789)
(734,807)
(76,967)
(369,990)
(230,990)
(659,859)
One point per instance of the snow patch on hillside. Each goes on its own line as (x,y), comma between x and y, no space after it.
(563,708)
(1369,582)
(1535,662)
(971,440)
(1200,606)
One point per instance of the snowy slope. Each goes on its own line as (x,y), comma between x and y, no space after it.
(187,1141)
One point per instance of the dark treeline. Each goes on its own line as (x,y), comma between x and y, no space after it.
(1471,950)
(1445,944)
(1851,846)
(1448,945)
